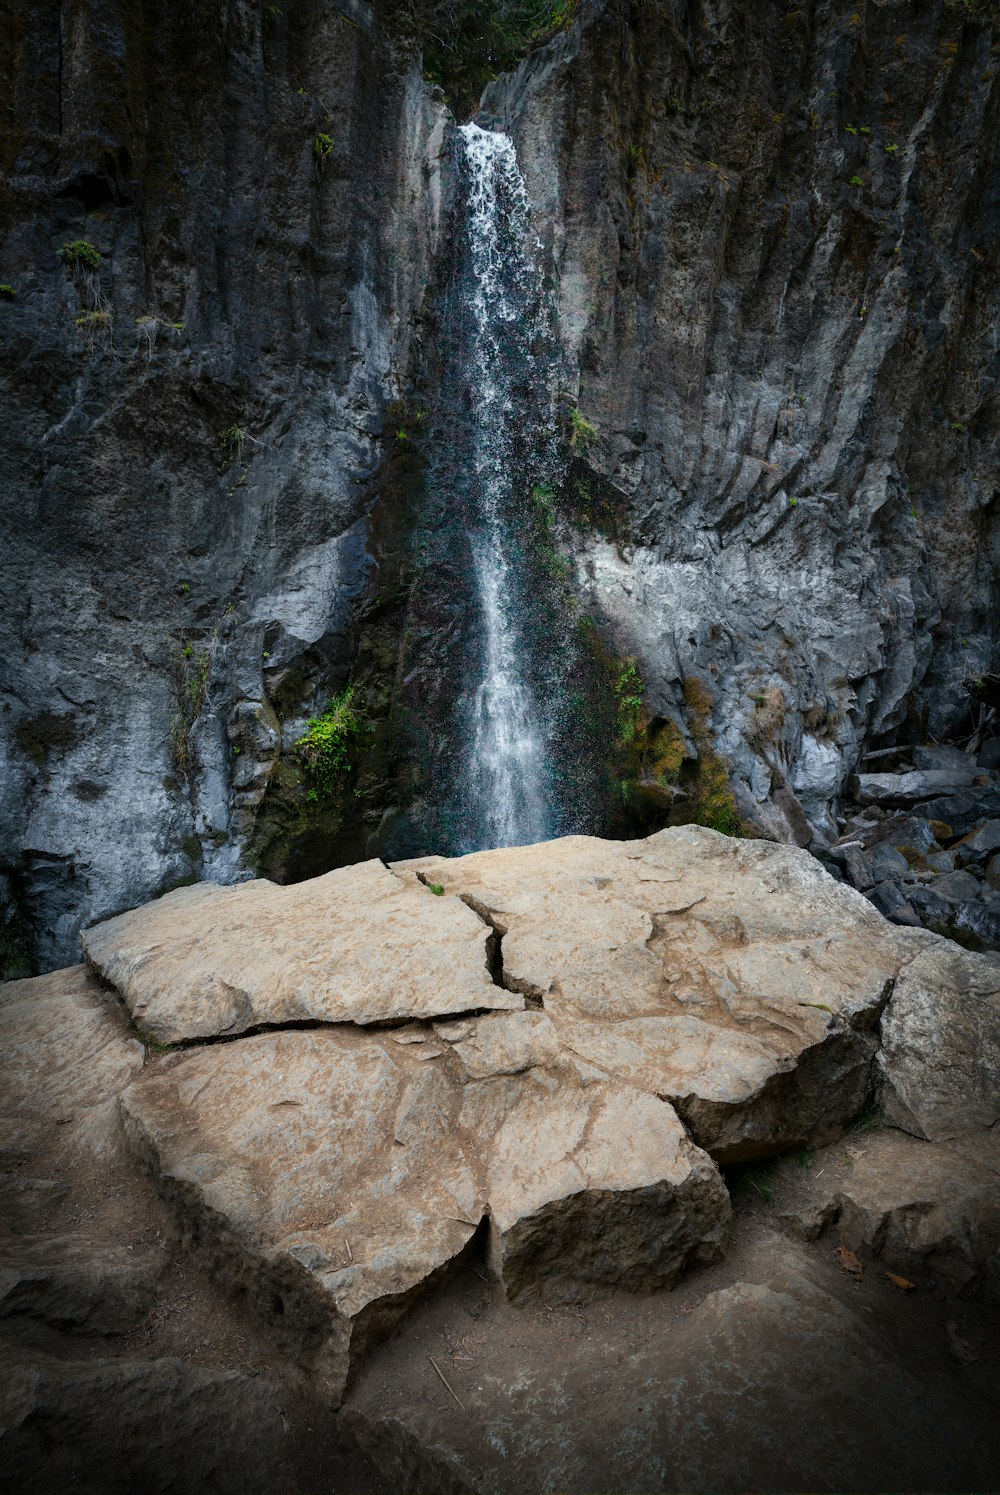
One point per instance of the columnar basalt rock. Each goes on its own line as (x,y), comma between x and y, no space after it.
(769,236)
(760,258)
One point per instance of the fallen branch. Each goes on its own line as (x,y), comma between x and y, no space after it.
(445,1380)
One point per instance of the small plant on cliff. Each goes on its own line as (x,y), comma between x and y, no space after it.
(7,292)
(191,669)
(324,747)
(630,694)
(582,433)
(543,497)
(80,252)
(322,148)
(232,441)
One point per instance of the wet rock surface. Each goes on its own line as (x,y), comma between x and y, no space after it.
(500,1249)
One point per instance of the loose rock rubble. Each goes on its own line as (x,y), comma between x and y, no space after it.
(924,843)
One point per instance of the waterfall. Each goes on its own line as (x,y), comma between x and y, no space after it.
(499,713)
(507,770)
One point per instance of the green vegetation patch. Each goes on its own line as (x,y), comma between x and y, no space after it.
(630,695)
(80,252)
(467,43)
(323,749)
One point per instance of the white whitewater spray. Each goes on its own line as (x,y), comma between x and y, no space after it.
(508,769)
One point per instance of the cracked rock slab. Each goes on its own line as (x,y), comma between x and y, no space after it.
(333,1174)
(356,945)
(735,979)
(325,1172)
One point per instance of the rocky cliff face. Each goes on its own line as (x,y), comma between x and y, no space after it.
(771,238)
(191,421)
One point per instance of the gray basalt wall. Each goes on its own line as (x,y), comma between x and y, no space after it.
(772,235)
(158,580)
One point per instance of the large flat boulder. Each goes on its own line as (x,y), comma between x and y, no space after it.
(940,1056)
(358,945)
(735,979)
(334,1174)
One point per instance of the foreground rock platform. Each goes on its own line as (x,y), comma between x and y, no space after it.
(735,979)
(334,1174)
(637,1016)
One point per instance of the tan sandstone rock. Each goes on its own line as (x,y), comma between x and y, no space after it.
(65,1056)
(735,979)
(594,1184)
(334,1173)
(358,945)
(324,1170)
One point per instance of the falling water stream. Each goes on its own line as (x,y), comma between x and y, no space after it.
(508,786)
